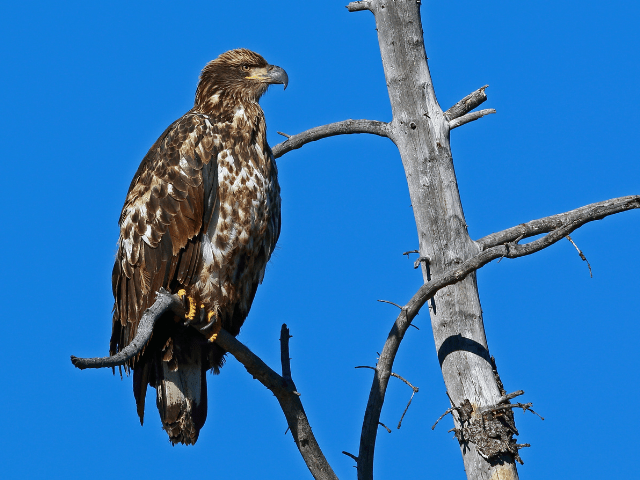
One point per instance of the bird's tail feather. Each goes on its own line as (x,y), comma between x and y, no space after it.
(181,395)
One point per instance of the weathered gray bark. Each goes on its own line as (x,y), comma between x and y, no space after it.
(421,132)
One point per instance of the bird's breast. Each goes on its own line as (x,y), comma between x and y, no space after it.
(240,237)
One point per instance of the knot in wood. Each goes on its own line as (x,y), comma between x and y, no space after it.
(491,432)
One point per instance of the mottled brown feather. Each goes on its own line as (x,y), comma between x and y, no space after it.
(203,208)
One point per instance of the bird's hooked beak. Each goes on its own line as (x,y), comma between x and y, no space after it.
(278,75)
(271,74)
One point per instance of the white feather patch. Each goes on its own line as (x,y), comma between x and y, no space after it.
(128,246)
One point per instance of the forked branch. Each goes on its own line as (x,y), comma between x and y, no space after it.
(282,387)
(285,391)
(457,115)
(497,245)
(461,113)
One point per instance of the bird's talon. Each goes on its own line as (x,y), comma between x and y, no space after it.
(211,327)
(216,329)
(191,314)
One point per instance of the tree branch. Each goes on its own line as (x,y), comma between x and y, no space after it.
(359,6)
(282,387)
(492,247)
(582,255)
(338,128)
(468,103)
(284,352)
(415,390)
(470,117)
(164,302)
(289,399)
(594,211)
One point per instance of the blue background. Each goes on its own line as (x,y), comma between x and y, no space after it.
(86,89)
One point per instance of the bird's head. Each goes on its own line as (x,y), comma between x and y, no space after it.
(240,74)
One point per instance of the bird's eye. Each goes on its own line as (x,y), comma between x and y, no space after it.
(245,67)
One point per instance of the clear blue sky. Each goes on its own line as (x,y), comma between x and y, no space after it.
(86,89)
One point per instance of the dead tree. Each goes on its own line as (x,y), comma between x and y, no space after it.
(481,408)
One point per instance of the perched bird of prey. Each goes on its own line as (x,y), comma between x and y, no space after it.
(201,219)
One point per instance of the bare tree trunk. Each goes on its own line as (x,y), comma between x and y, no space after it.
(420,130)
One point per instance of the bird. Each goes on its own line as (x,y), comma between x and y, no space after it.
(201,219)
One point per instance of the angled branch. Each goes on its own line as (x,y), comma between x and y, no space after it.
(289,399)
(492,247)
(467,104)
(594,211)
(338,128)
(164,302)
(350,455)
(447,412)
(470,117)
(415,390)
(282,387)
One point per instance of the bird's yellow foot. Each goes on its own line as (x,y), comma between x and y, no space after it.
(209,327)
(191,314)
(212,329)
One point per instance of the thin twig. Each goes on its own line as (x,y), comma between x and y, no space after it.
(581,255)
(388,429)
(410,252)
(447,412)
(405,409)
(470,117)
(350,455)
(338,128)
(510,406)
(390,303)
(415,389)
(283,134)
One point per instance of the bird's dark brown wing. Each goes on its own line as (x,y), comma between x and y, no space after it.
(169,203)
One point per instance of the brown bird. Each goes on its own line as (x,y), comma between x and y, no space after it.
(201,219)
